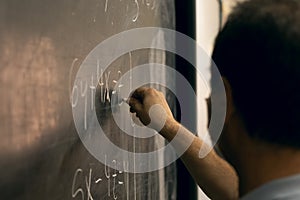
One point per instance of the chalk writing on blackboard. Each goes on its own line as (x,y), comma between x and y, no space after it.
(137,11)
(79,190)
(88,185)
(41,128)
(93,90)
(136,6)
(112,180)
(71,73)
(108,88)
(106,4)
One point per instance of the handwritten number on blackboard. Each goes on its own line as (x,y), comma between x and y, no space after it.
(74,99)
(79,190)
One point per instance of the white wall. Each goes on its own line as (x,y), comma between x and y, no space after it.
(207,19)
(207,22)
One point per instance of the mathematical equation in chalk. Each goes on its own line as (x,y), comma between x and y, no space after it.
(133,4)
(114,179)
(101,83)
(85,88)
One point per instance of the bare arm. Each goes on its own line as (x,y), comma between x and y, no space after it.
(213,174)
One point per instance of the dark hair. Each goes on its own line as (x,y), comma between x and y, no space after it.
(258,52)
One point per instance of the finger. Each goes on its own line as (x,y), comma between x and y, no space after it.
(135,105)
(131,110)
(136,120)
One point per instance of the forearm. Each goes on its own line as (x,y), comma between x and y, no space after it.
(213,174)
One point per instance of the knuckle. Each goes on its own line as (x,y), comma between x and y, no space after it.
(151,91)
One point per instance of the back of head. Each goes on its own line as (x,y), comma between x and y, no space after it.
(258,52)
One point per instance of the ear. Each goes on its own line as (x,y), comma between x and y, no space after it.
(230,104)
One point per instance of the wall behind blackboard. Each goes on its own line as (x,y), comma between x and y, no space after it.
(43,43)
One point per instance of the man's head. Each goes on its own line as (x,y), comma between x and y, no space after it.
(258,53)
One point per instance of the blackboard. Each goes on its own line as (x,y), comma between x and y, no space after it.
(43,45)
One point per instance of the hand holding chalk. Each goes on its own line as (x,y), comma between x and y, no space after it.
(150,107)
